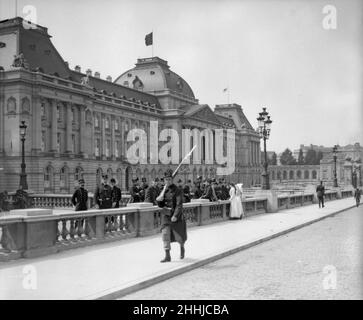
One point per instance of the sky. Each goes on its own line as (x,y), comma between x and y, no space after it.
(275,54)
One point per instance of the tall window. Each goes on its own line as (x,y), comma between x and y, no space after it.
(108,147)
(117,146)
(63,178)
(97,147)
(58,142)
(73,143)
(42,142)
(78,174)
(58,112)
(42,110)
(116,125)
(107,123)
(97,121)
(48,178)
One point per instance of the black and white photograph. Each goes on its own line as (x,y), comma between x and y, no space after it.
(195,152)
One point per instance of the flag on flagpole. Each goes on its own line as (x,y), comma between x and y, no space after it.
(149,39)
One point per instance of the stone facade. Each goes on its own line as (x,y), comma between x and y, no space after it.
(294,173)
(78,123)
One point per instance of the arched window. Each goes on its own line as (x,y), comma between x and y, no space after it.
(203,148)
(273,175)
(285,175)
(119,176)
(291,175)
(314,175)
(63,178)
(48,178)
(128,177)
(306,174)
(298,174)
(78,174)
(278,175)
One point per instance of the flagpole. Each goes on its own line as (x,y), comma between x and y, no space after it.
(152,45)
(16,8)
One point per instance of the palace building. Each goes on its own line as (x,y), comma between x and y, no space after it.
(77,123)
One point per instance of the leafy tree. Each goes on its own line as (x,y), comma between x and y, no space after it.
(301,159)
(310,157)
(287,158)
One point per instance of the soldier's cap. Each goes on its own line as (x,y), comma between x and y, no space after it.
(180,180)
(81,181)
(214,180)
(162,179)
(199,178)
(168,173)
(156,179)
(135,179)
(113,180)
(189,181)
(143,179)
(104,176)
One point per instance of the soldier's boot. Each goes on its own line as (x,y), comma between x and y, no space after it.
(167,256)
(182,252)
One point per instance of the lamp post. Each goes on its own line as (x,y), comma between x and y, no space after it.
(264,128)
(23,182)
(335,152)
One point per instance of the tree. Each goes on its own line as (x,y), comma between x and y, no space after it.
(319,156)
(310,157)
(273,160)
(287,158)
(301,159)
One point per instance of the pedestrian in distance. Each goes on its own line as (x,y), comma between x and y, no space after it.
(320,193)
(116,194)
(135,191)
(236,209)
(174,227)
(152,192)
(357,195)
(80,197)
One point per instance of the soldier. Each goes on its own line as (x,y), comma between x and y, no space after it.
(186,191)
(208,193)
(103,194)
(320,192)
(80,197)
(224,190)
(357,195)
(197,189)
(135,191)
(152,192)
(143,188)
(174,228)
(116,194)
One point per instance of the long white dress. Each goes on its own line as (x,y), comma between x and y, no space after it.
(236,210)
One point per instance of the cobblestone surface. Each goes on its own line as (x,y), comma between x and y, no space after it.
(299,265)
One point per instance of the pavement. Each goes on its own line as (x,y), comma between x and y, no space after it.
(113,270)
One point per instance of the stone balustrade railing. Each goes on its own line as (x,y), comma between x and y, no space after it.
(31,236)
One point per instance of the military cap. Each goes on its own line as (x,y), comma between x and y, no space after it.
(180,180)
(81,181)
(168,173)
(214,180)
(199,178)
(113,180)
(104,176)
(143,179)
(135,179)
(156,179)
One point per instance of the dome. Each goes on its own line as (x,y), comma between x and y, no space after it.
(153,75)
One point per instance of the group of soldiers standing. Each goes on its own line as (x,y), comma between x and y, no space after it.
(210,189)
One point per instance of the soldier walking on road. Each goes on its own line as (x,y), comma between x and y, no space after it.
(80,197)
(320,192)
(174,227)
(357,195)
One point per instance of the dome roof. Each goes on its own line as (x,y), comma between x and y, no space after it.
(154,74)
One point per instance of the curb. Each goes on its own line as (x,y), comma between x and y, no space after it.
(152,280)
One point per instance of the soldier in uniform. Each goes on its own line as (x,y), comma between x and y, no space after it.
(208,193)
(116,194)
(197,189)
(135,191)
(143,188)
(80,197)
(174,228)
(103,194)
(186,191)
(152,192)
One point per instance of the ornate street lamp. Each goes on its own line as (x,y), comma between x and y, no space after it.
(264,129)
(23,182)
(335,152)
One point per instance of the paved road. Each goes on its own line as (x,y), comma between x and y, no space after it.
(300,265)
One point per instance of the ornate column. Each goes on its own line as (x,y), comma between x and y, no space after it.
(69,128)
(82,131)
(54,126)
(36,124)
(122,142)
(103,137)
(2,111)
(113,141)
